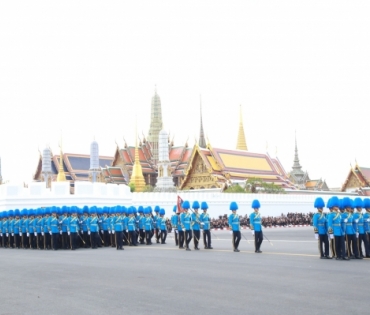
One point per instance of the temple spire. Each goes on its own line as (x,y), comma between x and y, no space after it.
(155,125)
(296,165)
(137,177)
(202,140)
(61,175)
(242,144)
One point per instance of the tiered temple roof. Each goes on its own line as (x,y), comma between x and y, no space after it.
(216,168)
(358,179)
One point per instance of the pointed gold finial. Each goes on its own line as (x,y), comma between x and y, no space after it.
(241,144)
(61,175)
(137,177)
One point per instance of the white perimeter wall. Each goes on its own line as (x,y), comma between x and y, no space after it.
(100,194)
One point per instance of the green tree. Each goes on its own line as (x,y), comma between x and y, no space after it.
(148,188)
(235,189)
(132,187)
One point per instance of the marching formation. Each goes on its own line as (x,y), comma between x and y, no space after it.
(92,227)
(344,231)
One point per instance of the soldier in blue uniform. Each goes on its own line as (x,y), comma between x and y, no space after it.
(195,224)
(256,226)
(185,219)
(174,221)
(336,230)
(23,229)
(54,228)
(4,229)
(73,228)
(46,231)
(117,228)
(83,226)
(126,236)
(64,222)
(17,229)
(148,226)
(351,229)
(39,226)
(10,228)
(93,227)
(131,225)
(206,224)
(163,226)
(360,227)
(155,223)
(31,228)
(367,221)
(319,223)
(105,227)
(141,219)
(234,226)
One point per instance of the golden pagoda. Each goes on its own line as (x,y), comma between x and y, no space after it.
(137,177)
(242,144)
(61,175)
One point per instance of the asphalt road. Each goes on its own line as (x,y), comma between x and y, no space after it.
(287,278)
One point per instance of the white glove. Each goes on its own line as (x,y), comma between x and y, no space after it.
(102,231)
(356,220)
(331,236)
(368,220)
(61,232)
(113,231)
(252,232)
(201,223)
(316,236)
(69,233)
(176,231)
(7,234)
(126,231)
(88,232)
(357,235)
(345,220)
(109,231)
(12,234)
(35,233)
(1,234)
(42,233)
(20,234)
(50,233)
(28,234)
(231,232)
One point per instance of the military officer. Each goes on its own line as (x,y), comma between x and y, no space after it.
(10,228)
(23,229)
(255,225)
(174,221)
(93,227)
(234,226)
(163,226)
(131,225)
(5,229)
(141,225)
(185,219)
(54,228)
(17,229)
(117,227)
(351,229)
(336,230)
(105,225)
(31,228)
(367,220)
(206,224)
(155,223)
(83,226)
(73,228)
(359,226)
(148,226)
(64,222)
(319,223)
(195,224)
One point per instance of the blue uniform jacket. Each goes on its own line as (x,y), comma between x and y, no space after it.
(92,224)
(148,223)
(204,218)
(141,222)
(64,222)
(195,221)
(163,224)
(255,221)
(131,224)
(54,225)
(23,225)
(174,220)
(118,223)
(16,226)
(319,223)
(234,222)
(73,225)
(350,225)
(335,224)
(83,223)
(185,219)
(359,225)
(45,226)
(39,225)
(31,225)
(105,225)
(366,221)
(5,226)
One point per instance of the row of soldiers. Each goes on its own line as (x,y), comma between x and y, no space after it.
(186,224)
(345,230)
(73,227)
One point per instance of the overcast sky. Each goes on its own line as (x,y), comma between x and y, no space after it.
(88,68)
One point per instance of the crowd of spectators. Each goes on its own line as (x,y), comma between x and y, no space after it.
(270,221)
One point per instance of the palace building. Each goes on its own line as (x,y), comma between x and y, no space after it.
(357,180)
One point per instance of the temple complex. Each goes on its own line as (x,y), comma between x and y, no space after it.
(300,178)
(357,180)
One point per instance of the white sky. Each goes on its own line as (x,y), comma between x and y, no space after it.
(88,67)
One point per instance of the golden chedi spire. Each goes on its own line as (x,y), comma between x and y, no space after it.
(61,175)
(242,144)
(137,177)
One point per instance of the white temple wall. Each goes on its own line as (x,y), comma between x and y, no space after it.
(101,194)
